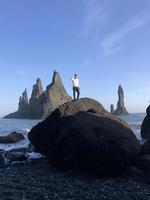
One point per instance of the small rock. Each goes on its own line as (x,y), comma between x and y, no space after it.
(12,138)
(19,154)
(2,161)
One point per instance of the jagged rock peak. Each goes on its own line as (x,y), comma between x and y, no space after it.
(38,81)
(23,101)
(24,98)
(121,110)
(56,78)
(55,94)
(36,91)
(42,103)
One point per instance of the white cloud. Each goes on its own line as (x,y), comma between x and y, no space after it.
(95,13)
(111,43)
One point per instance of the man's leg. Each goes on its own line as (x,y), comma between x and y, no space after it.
(78,92)
(74,91)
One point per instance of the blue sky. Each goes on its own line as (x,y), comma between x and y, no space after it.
(106,42)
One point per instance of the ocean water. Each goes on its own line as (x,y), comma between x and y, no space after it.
(20,125)
(135,120)
(24,126)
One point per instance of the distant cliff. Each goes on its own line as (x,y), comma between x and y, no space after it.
(41,103)
(121,110)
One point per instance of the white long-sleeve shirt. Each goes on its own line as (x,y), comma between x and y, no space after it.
(75,82)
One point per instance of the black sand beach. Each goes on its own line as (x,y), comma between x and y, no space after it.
(40,181)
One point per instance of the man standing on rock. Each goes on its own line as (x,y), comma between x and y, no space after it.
(76,86)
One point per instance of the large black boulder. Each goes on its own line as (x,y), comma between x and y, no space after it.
(95,142)
(83,134)
(145,128)
(44,135)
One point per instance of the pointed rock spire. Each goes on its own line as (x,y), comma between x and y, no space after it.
(55,94)
(23,101)
(24,98)
(111,108)
(36,91)
(56,78)
(121,110)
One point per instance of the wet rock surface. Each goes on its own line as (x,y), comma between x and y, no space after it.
(18,154)
(11,138)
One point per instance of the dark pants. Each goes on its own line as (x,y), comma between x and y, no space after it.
(76,89)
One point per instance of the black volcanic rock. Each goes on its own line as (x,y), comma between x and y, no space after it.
(95,142)
(92,139)
(11,138)
(2,160)
(121,110)
(44,135)
(41,104)
(18,154)
(145,127)
(145,148)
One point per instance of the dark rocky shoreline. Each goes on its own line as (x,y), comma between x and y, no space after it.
(102,157)
(39,181)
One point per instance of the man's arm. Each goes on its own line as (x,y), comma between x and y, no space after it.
(72,78)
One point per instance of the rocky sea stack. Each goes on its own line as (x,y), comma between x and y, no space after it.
(82,134)
(121,110)
(41,103)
